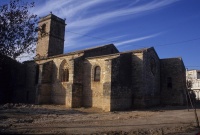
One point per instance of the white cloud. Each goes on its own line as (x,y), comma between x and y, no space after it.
(115,14)
(125,42)
(50,5)
(83,16)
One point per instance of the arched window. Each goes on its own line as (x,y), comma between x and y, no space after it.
(64,72)
(65,75)
(43,28)
(97,73)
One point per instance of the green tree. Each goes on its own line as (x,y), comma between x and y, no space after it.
(189,84)
(17,28)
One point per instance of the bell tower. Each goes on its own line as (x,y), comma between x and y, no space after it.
(50,36)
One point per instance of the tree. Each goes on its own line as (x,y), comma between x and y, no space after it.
(189,88)
(17,28)
(189,84)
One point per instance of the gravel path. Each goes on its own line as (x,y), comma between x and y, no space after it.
(56,119)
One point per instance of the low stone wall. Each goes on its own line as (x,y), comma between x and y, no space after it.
(12,78)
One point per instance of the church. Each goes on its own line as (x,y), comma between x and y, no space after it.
(100,77)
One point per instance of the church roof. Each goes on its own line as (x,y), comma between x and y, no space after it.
(172,58)
(117,54)
(92,48)
(81,51)
(98,47)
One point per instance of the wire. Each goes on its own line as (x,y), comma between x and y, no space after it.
(192,66)
(180,42)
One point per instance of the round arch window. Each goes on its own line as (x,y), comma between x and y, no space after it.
(97,73)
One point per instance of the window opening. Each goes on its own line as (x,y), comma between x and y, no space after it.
(65,75)
(169,82)
(97,72)
(198,75)
(64,72)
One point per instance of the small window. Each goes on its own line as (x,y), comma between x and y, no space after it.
(65,75)
(169,82)
(43,28)
(97,73)
(198,75)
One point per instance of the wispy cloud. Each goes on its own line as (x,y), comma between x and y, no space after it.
(125,42)
(84,16)
(115,14)
(51,5)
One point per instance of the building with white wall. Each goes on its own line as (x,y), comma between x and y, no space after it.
(194,77)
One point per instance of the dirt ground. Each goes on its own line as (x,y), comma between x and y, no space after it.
(56,119)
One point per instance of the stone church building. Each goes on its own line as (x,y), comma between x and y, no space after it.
(100,77)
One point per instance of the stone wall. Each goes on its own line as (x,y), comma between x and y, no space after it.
(62,91)
(69,93)
(45,83)
(102,50)
(43,40)
(121,94)
(77,87)
(137,80)
(50,36)
(173,81)
(93,90)
(98,93)
(57,34)
(151,77)
(12,78)
(145,78)
(56,91)
(31,80)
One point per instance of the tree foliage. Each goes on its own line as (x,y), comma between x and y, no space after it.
(189,84)
(17,28)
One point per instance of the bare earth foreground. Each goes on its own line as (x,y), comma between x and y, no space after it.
(54,119)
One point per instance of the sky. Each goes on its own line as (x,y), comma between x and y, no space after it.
(172,27)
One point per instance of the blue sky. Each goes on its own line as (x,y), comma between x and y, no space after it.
(172,27)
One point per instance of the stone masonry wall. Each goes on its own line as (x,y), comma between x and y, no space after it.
(50,36)
(12,78)
(121,94)
(57,34)
(77,93)
(151,72)
(137,80)
(173,81)
(32,80)
(19,81)
(97,93)
(103,50)
(61,92)
(43,41)
(69,93)
(93,91)
(45,83)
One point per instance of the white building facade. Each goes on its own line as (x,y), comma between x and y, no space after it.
(194,77)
